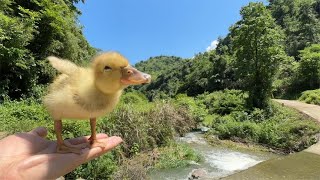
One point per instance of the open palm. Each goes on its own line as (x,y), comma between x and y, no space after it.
(31,156)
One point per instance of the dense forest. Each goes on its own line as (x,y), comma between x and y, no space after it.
(273,51)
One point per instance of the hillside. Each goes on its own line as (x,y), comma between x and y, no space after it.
(158,65)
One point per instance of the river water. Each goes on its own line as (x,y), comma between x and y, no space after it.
(218,161)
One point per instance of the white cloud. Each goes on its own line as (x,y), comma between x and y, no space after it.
(213,45)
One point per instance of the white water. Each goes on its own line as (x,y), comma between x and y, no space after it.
(218,162)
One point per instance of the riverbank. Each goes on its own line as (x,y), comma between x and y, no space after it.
(218,161)
(236,144)
(301,165)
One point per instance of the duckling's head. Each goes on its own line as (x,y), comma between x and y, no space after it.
(113,73)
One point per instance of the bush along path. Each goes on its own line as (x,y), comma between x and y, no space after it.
(301,165)
(310,110)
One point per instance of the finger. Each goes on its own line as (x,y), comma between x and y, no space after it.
(85,139)
(39,131)
(110,143)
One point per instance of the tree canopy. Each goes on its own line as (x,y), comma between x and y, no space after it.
(29,32)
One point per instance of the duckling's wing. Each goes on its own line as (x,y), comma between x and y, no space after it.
(63,66)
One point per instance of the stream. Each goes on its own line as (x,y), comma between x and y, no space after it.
(218,161)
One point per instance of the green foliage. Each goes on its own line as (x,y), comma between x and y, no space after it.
(308,72)
(176,155)
(300,21)
(167,76)
(171,156)
(282,84)
(145,126)
(29,32)
(311,97)
(17,66)
(156,66)
(206,72)
(25,115)
(278,128)
(134,97)
(100,168)
(257,44)
(22,116)
(197,110)
(223,102)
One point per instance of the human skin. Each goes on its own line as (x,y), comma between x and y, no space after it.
(31,156)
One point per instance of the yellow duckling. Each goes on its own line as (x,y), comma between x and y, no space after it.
(88,93)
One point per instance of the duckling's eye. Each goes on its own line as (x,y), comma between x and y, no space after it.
(107,68)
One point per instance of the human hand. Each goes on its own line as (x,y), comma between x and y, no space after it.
(30,156)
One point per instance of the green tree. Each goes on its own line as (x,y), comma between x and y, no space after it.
(309,68)
(257,44)
(300,21)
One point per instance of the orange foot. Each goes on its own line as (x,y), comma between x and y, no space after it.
(95,143)
(67,147)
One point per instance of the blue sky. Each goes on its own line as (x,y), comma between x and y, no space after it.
(140,29)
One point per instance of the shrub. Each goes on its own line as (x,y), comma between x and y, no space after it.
(281,128)
(146,129)
(197,109)
(22,116)
(311,97)
(134,97)
(172,156)
(99,168)
(224,102)
(176,155)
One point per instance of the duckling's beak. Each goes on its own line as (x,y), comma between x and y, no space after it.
(131,76)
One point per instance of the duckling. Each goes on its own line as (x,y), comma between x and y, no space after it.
(88,92)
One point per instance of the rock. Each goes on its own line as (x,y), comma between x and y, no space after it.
(204,129)
(318,137)
(198,173)
(193,163)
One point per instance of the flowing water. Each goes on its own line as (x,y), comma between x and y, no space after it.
(218,162)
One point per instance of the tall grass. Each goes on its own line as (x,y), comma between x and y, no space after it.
(144,126)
